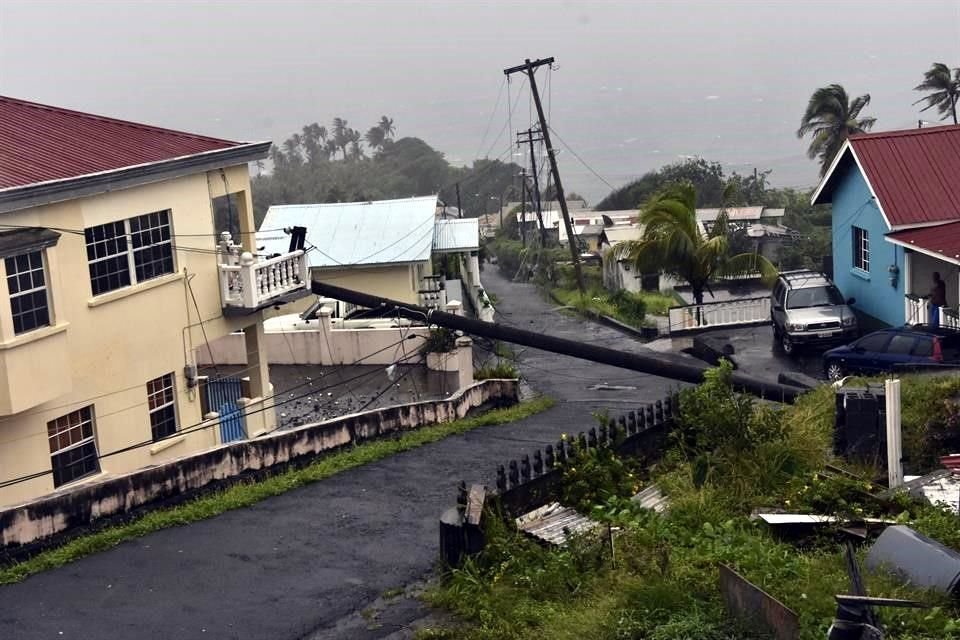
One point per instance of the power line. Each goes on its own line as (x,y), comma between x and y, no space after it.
(200,426)
(493,113)
(581,160)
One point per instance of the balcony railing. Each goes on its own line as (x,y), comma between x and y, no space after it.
(719,314)
(917,312)
(250,284)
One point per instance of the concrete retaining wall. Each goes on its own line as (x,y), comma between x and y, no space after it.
(84,504)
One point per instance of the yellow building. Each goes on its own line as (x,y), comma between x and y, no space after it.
(114,276)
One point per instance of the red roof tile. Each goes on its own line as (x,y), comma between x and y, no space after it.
(942,239)
(914,173)
(39,143)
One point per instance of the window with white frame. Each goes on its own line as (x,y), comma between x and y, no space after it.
(861,249)
(129,251)
(27,286)
(163,410)
(73,447)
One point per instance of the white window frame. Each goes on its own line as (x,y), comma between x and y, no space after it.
(861,249)
(45,288)
(92,438)
(131,252)
(169,383)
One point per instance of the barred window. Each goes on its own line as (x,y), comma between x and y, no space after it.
(73,446)
(861,249)
(115,262)
(27,286)
(163,411)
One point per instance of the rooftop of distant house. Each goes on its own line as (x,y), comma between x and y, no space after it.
(345,234)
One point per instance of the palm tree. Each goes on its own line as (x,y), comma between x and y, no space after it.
(386,125)
(674,243)
(353,138)
(260,166)
(945,91)
(832,118)
(340,135)
(375,137)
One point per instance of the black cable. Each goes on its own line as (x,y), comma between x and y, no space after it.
(200,426)
(203,329)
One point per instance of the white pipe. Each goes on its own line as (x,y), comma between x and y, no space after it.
(894,442)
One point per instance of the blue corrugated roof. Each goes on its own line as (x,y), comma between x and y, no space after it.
(355,233)
(456,235)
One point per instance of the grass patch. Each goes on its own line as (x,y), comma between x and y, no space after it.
(246,494)
(498,371)
(628,307)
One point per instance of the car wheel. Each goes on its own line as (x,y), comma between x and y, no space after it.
(835,370)
(786,343)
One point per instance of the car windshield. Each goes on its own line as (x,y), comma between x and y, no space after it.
(814,297)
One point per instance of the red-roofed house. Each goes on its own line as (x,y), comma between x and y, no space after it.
(114,276)
(896,221)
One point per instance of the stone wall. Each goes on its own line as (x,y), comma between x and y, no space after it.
(111,498)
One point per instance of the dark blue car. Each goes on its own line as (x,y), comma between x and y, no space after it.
(891,349)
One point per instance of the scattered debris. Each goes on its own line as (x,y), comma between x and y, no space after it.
(652,498)
(926,563)
(941,487)
(756,607)
(555,524)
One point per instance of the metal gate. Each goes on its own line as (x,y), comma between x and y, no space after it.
(222,396)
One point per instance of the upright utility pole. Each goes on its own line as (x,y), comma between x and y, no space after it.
(529,68)
(536,183)
(459,207)
(523,207)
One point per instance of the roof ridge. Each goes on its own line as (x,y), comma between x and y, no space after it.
(101,118)
(900,133)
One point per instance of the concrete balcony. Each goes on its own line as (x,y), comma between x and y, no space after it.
(248,285)
(34,368)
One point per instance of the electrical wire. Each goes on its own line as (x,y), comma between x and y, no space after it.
(581,160)
(200,426)
(493,114)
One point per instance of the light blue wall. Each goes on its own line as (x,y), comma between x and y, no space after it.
(854,206)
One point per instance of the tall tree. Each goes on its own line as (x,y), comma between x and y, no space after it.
(375,137)
(831,118)
(674,243)
(944,90)
(386,125)
(341,135)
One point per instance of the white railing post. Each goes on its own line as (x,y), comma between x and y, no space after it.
(248,276)
(894,463)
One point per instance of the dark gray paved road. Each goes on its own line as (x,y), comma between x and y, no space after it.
(308,563)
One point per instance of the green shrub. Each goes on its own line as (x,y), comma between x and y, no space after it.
(629,306)
(440,340)
(497,371)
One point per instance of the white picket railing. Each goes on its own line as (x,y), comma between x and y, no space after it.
(719,314)
(251,284)
(917,311)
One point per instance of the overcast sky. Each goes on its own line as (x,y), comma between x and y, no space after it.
(638,84)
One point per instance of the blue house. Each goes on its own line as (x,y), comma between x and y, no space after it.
(896,221)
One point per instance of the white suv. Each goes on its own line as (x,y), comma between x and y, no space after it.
(807,308)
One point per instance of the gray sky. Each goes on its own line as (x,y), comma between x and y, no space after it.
(639,84)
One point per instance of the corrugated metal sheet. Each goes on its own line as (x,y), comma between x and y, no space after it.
(456,235)
(652,498)
(738,213)
(555,523)
(943,239)
(39,143)
(915,173)
(355,233)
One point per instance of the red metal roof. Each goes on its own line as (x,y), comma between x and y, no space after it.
(39,143)
(914,173)
(951,462)
(942,239)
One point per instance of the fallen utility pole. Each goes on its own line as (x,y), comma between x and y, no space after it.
(529,68)
(536,182)
(664,365)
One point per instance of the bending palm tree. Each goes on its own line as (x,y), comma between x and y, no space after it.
(386,125)
(832,118)
(945,91)
(674,243)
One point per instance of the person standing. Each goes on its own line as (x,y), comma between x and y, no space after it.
(938,299)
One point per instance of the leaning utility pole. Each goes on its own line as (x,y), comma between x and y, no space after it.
(536,182)
(529,68)
(523,207)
